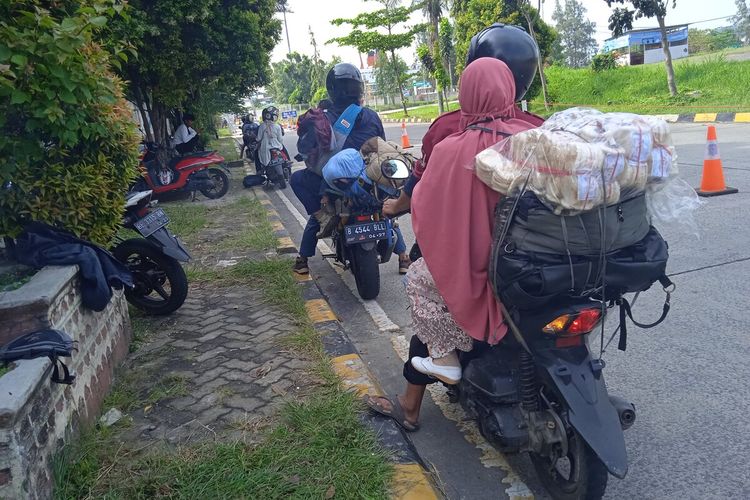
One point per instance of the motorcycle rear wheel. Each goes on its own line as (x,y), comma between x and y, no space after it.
(221,184)
(579,475)
(161,285)
(366,270)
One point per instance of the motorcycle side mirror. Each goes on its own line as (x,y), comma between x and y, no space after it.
(395,169)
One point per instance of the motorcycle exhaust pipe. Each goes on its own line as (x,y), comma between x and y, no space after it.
(625,410)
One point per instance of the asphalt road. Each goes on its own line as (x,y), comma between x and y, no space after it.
(688,377)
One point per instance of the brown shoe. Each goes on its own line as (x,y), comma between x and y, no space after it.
(403,265)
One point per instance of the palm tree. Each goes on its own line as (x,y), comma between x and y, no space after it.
(283,7)
(433,11)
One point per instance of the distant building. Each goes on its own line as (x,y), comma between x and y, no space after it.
(643,46)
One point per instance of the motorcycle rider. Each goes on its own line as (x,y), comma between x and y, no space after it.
(185,138)
(270,135)
(249,133)
(513,46)
(345,88)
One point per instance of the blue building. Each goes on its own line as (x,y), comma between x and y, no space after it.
(643,46)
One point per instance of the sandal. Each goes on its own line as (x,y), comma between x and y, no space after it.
(396,412)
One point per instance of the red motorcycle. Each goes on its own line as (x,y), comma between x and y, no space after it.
(202,171)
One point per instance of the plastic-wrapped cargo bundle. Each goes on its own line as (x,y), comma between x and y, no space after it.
(581,159)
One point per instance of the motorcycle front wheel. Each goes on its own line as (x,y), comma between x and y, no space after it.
(161,285)
(221,184)
(579,475)
(366,270)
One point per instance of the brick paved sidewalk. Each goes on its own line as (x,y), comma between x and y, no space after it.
(219,365)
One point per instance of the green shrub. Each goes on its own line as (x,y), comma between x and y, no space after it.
(603,62)
(67,139)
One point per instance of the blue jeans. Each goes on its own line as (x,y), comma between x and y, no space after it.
(307,186)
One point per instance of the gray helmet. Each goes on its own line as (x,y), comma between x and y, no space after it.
(512,45)
(344,83)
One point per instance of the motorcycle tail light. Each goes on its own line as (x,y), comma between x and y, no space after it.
(571,325)
(364,218)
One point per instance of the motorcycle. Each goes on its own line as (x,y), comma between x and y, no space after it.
(202,171)
(279,169)
(363,238)
(541,391)
(160,282)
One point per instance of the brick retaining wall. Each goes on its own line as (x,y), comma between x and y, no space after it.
(37,416)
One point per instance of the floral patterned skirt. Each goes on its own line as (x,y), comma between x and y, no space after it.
(433,324)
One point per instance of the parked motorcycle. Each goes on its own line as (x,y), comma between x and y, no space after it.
(363,238)
(161,285)
(202,171)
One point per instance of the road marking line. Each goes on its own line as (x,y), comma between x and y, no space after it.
(319,311)
(378,315)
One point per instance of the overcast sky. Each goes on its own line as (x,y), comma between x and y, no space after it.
(317,14)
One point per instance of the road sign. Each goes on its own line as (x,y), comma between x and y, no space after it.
(289,114)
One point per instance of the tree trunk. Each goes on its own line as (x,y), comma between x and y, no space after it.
(540,63)
(667,57)
(399,82)
(286,28)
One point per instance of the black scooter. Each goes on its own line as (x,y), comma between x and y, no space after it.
(161,285)
(540,391)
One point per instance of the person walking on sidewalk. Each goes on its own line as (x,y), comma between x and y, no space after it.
(351,126)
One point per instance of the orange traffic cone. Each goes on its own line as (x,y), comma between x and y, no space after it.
(713,183)
(404,136)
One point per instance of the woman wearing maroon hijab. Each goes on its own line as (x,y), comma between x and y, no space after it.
(452,213)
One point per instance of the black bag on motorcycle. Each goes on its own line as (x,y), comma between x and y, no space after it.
(536,264)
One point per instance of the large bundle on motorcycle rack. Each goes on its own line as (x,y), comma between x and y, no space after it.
(539,257)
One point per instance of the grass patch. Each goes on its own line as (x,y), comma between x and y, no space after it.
(258,235)
(186,219)
(318,448)
(709,84)
(15,278)
(226,146)
(273,276)
(224,132)
(6,368)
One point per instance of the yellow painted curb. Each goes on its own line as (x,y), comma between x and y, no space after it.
(272,213)
(319,311)
(285,242)
(301,278)
(266,202)
(355,375)
(742,117)
(410,482)
(705,117)
(278,226)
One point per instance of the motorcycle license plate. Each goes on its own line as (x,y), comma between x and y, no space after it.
(152,222)
(369,231)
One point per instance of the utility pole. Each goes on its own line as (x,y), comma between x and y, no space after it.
(281,6)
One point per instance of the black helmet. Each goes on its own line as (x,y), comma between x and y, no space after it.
(344,84)
(512,45)
(270,113)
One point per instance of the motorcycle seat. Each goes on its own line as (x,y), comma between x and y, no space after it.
(197,154)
